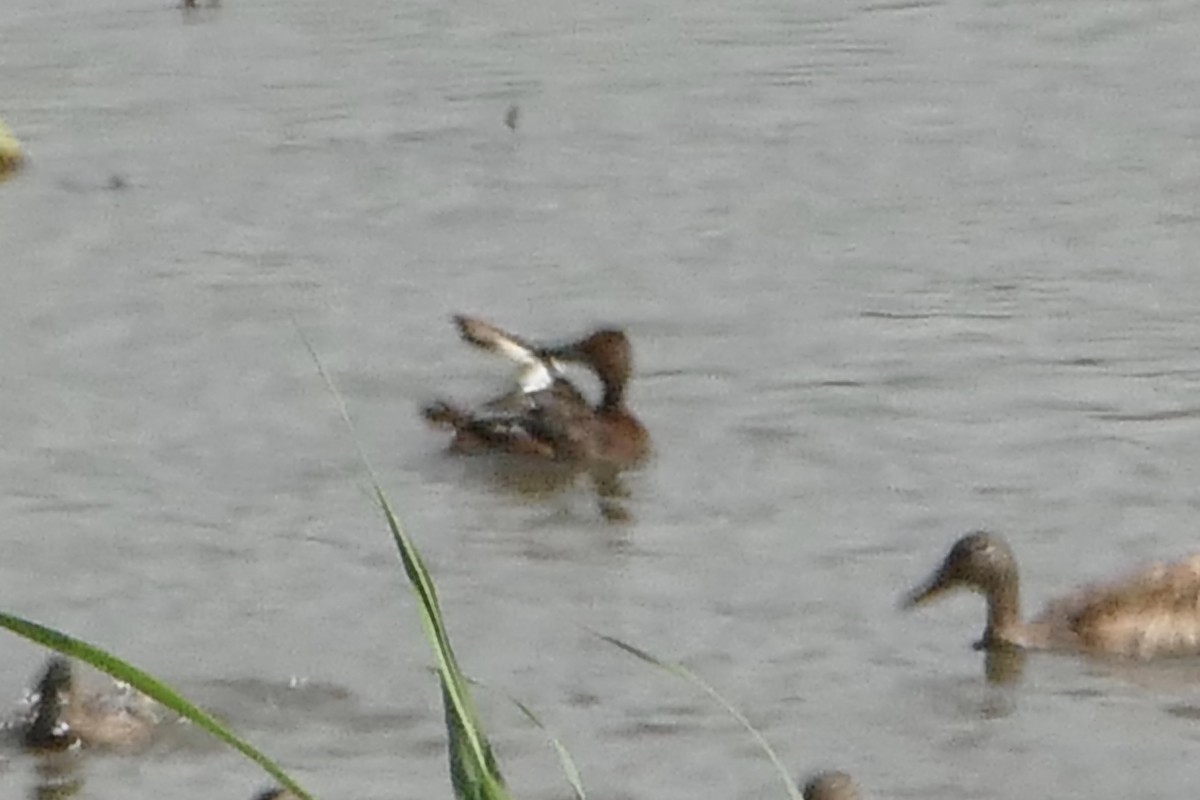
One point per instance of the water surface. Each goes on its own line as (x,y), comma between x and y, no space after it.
(893,270)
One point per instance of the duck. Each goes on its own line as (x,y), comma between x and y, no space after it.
(830,786)
(547,416)
(63,716)
(1151,613)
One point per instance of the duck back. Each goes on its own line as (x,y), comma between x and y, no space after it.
(1151,613)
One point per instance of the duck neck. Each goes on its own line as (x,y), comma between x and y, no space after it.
(614,394)
(1004,613)
(44,730)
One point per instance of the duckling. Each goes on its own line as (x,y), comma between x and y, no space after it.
(830,786)
(1151,613)
(64,717)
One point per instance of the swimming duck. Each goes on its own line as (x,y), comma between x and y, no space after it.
(830,786)
(63,716)
(1155,612)
(547,416)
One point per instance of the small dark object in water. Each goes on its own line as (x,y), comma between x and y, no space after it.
(10,163)
(512,117)
(11,157)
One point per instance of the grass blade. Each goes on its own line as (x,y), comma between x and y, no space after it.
(681,671)
(473,768)
(564,756)
(148,685)
(570,771)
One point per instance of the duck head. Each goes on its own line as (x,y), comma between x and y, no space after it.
(830,786)
(48,730)
(979,561)
(56,678)
(606,351)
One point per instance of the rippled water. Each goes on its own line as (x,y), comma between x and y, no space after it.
(892,270)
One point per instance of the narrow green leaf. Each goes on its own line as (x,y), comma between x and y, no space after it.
(148,685)
(683,672)
(564,756)
(473,769)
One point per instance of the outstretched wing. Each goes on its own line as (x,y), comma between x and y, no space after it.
(537,372)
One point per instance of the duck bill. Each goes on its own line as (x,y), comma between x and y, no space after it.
(937,585)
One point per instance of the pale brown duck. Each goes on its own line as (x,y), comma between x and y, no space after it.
(64,715)
(1151,613)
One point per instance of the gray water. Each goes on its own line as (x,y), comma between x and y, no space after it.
(892,271)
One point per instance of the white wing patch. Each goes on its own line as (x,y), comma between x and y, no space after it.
(535,373)
(514,351)
(535,377)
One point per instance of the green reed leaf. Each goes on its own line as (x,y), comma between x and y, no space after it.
(473,769)
(564,756)
(570,771)
(686,674)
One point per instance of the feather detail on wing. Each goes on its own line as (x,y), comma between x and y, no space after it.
(537,372)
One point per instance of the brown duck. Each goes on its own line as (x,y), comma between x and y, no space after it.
(65,716)
(547,416)
(1147,614)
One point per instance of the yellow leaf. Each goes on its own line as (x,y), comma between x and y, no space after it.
(11,156)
